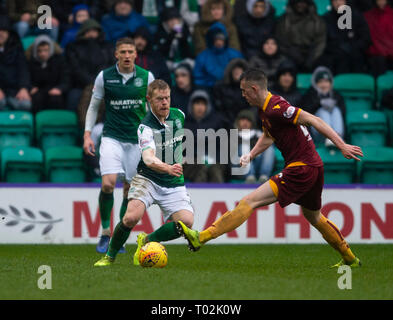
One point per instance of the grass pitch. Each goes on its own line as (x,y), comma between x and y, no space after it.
(215,272)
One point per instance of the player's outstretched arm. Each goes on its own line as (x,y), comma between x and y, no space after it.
(262,144)
(349,151)
(150,159)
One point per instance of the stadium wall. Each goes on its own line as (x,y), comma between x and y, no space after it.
(47,213)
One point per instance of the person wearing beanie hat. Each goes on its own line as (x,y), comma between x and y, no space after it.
(285,84)
(226,93)
(122,20)
(80,13)
(14,72)
(325,102)
(269,58)
(262,166)
(173,38)
(86,56)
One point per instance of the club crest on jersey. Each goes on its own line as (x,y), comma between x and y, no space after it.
(289,112)
(138,82)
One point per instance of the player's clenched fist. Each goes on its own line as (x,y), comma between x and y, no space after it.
(245,159)
(176,170)
(88,145)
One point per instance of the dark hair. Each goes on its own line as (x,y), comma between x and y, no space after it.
(43,43)
(124,41)
(255,75)
(156,84)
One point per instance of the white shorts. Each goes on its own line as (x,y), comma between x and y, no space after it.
(119,157)
(170,200)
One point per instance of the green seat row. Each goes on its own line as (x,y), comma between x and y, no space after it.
(31,165)
(52,128)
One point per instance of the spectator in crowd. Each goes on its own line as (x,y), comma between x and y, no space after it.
(148,58)
(201,116)
(261,167)
(183,88)
(227,96)
(214,11)
(325,102)
(173,39)
(345,48)
(268,58)
(380,22)
(255,25)
(86,57)
(285,84)
(49,75)
(24,14)
(122,20)
(301,34)
(14,71)
(210,64)
(80,13)
(362,5)
(152,10)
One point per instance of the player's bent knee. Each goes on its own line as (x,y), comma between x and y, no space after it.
(130,221)
(107,187)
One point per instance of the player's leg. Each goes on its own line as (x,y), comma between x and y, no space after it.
(124,204)
(264,195)
(105,204)
(169,231)
(331,234)
(134,213)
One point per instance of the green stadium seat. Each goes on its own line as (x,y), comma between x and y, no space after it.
(279,163)
(56,128)
(16,128)
(65,165)
(280,6)
(355,87)
(384,82)
(323,6)
(357,104)
(377,165)
(389,117)
(27,41)
(337,169)
(303,82)
(21,165)
(367,128)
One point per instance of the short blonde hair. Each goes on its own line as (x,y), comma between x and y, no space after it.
(157,84)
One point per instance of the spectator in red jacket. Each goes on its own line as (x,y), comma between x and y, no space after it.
(380,22)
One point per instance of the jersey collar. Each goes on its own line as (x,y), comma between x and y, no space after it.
(269,95)
(133,73)
(161,123)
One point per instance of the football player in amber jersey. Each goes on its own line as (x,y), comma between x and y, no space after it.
(300,182)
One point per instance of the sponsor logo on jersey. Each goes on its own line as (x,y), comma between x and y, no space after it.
(113,81)
(289,112)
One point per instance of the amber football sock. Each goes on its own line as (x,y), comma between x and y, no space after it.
(229,221)
(333,236)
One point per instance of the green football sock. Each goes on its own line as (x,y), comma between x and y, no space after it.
(119,238)
(166,232)
(105,202)
(123,208)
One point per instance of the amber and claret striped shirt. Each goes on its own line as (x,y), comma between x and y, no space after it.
(279,121)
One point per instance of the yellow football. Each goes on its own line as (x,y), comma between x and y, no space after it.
(153,255)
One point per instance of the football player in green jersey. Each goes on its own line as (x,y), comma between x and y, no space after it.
(123,88)
(160,175)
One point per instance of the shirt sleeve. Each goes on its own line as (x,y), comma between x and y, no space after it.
(145,138)
(285,112)
(150,78)
(98,89)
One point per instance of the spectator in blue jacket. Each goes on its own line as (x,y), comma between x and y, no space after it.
(80,14)
(210,64)
(122,20)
